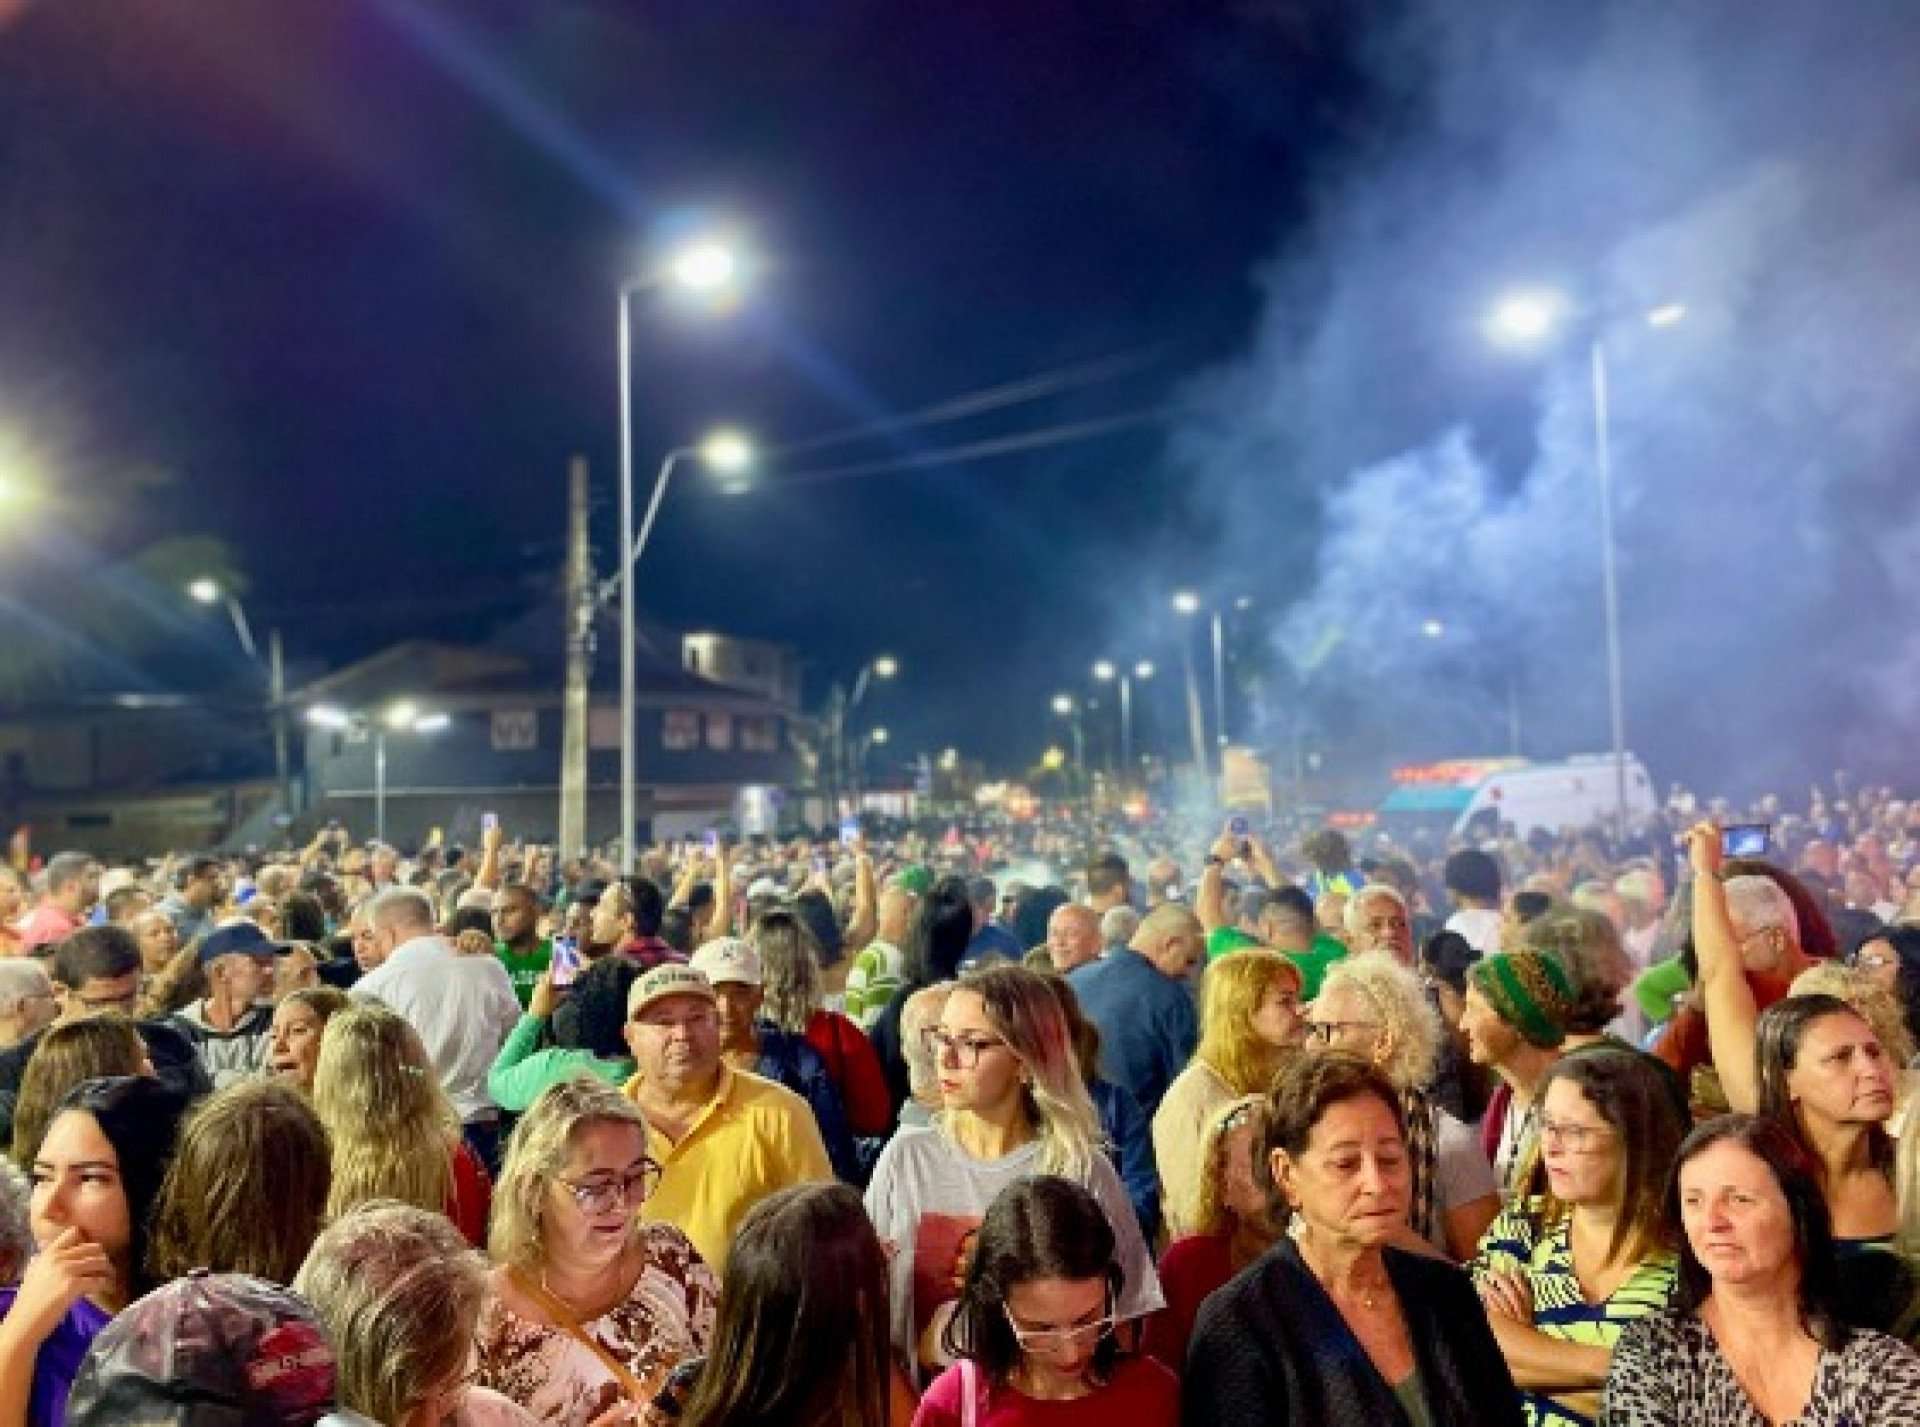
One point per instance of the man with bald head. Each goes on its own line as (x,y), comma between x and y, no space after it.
(1140,998)
(1073,936)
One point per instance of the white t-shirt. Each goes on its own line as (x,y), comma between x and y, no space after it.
(1461,1173)
(928,1197)
(1480,926)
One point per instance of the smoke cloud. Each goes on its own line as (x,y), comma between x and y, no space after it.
(1421,510)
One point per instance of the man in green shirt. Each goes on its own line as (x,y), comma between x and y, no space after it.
(1281,914)
(521,948)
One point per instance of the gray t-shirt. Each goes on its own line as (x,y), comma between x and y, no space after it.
(927,1198)
(1461,1173)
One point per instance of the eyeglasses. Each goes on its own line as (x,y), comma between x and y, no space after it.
(1236,1119)
(1059,1340)
(1873,960)
(606,1192)
(1577,1138)
(965,1050)
(1330,1031)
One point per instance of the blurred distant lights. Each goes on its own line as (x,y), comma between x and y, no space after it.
(885,667)
(707,267)
(1187,602)
(1433,629)
(1063,705)
(880,737)
(1668,315)
(205,590)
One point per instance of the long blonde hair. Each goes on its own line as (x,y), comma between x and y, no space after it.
(1024,1012)
(390,1123)
(1230,998)
(536,1153)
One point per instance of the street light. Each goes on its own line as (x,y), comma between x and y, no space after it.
(726,452)
(710,268)
(1068,707)
(208,591)
(1527,319)
(1105,671)
(403,716)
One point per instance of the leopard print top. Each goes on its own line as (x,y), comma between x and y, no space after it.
(1669,1372)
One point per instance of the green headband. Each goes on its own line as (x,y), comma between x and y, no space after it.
(1530,992)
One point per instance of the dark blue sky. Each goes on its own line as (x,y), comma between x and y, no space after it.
(345,271)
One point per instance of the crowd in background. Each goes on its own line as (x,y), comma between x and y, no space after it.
(1197,1118)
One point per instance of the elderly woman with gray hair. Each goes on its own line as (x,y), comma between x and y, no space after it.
(1373,1007)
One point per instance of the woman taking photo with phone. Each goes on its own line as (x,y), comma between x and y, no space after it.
(1033,1338)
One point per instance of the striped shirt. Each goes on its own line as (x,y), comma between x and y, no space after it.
(1516,1242)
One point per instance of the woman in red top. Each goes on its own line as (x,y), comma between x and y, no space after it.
(1233,1225)
(1033,1337)
(790,972)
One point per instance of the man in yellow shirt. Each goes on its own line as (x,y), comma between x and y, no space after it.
(724,1138)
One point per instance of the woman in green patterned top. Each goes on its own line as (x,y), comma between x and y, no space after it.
(1592,1246)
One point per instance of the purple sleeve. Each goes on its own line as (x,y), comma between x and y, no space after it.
(58,1361)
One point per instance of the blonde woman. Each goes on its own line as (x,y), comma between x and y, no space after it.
(394,1132)
(1235,1222)
(1374,1007)
(1249,1023)
(590,1310)
(1012,1104)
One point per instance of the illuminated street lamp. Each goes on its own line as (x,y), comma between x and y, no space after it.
(1105,671)
(1068,707)
(1529,319)
(210,592)
(725,452)
(403,716)
(713,269)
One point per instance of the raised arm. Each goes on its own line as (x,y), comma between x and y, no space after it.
(866,902)
(1725,996)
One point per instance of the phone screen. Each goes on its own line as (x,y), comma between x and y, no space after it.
(1746,839)
(1237,826)
(711,842)
(566,961)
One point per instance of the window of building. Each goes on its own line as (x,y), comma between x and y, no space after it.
(760,735)
(680,730)
(720,731)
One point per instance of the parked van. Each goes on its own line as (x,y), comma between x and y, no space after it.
(1474,795)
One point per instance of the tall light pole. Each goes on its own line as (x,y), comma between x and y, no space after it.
(402,717)
(840,706)
(1187,604)
(1068,708)
(208,591)
(712,270)
(1526,319)
(1107,672)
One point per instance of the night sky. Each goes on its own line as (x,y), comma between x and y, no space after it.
(344,272)
(334,283)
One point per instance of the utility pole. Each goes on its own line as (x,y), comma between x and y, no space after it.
(582,600)
(277,695)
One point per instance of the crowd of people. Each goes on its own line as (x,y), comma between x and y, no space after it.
(974,1121)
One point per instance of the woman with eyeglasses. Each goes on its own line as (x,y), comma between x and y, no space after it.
(1013,1105)
(1592,1246)
(1034,1334)
(1234,1224)
(1891,957)
(590,1310)
(1338,1325)
(1376,1008)
(1249,1023)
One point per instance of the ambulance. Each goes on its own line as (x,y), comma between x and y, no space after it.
(1473,796)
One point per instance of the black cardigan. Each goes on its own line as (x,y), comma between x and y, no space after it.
(1271,1348)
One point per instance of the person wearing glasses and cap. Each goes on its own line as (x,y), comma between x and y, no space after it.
(1033,1337)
